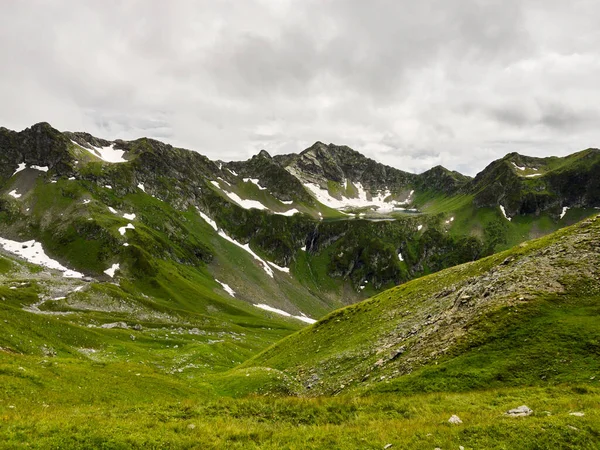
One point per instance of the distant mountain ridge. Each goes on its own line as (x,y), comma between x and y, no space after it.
(339,225)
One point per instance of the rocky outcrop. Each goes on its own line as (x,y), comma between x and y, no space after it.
(39,145)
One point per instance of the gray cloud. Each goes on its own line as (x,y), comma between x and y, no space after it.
(412,84)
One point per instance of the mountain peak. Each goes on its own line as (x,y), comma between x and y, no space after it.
(317,147)
(264,154)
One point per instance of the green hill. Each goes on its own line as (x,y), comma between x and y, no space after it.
(527,316)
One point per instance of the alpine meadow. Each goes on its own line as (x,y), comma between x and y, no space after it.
(154,298)
(300,224)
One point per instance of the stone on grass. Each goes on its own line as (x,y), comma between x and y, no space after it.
(109,326)
(455,419)
(521,411)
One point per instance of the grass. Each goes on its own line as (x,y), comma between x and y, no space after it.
(352,347)
(549,341)
(197,420)
(191,370)
(174,388)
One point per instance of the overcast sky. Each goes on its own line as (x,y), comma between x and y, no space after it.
(409,83)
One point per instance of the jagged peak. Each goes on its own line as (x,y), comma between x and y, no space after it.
(437,169)
(264,154)
(317,146)
(41,125)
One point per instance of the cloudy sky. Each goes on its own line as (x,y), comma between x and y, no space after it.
(411,84)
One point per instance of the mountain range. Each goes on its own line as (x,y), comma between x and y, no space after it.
(155,268)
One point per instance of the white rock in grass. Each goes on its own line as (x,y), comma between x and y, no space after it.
(521,411)
(454,419)
(577,414)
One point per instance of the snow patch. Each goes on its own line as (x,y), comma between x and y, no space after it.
(519,167)
(129,226)
(107,154)
(281,269)
(303,248)
(246,204)
(33,252)
(129,216)
(504,213)
(419,227)
(112,210)
(86,201)
(450,220)
(14,194)
(400,256)
(208,220)
(40,168)
(534,175)
(108,186)
(377,201)
(226,288)
(21,166)
(247,248)
(287,202)
(141,186)
(289,212)
(281,312)
(235,174)
(111,271)
(564,211)
(254,181)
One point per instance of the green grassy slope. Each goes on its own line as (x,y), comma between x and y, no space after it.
(522,317)
(69,385)
(180,381)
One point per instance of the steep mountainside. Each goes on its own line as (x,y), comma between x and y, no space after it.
(525,185)
(314,231)
(527,316)
(148,294)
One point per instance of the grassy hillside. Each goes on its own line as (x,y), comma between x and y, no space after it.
(527,316)
(483,338)
(163,343)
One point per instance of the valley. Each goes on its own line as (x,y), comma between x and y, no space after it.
(152,298)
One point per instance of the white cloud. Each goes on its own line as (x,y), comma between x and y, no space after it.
(412,84)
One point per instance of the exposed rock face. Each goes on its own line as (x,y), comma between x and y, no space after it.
(39,145)
(86,139)
(526,185)
(271,175)
(321,163)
